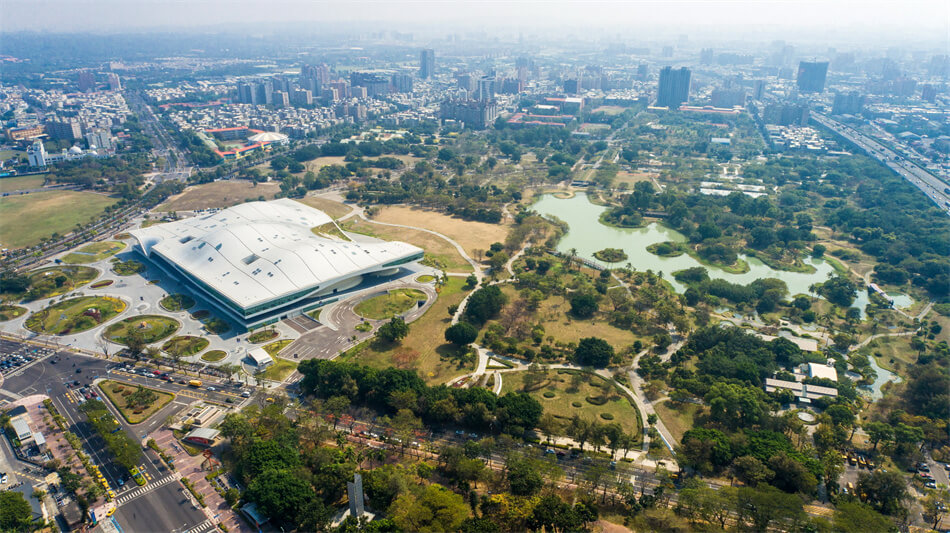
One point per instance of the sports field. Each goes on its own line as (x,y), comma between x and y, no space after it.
(21,183)
(470,235)
(219,194)
(28,218)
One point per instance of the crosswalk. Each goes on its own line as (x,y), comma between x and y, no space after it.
(207,525)
(135,493)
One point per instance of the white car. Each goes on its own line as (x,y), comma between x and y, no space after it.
(212,389)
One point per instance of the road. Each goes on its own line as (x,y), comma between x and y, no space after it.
(929,184)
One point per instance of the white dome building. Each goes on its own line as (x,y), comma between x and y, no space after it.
(267,137)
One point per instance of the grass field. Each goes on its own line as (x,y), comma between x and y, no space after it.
(275,347)
(96,251)
(424,349)
(214,356)
(186,344)
(333,209)
(470,235)
(153,328)
(388,305)
(280,369)
(23,183)
(892,353)
(566,397)
(425,278)
(439,252)
(590,126)
(9,312)
(218,194)
(609,109)
(320,162)
(177,302)
(678,418)
(74,315)
(633,177)
(118,394)
(30,217)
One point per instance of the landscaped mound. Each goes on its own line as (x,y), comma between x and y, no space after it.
(9,312)
(128,268)
(186,345)
(93,252)
(388,305)
(74,315)
(53,281)
(152,328)
(177,302)
(611,255)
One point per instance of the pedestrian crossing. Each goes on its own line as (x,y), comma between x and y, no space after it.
(135,493)
(207,525)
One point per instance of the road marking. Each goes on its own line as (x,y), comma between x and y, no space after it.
(135,493)
(202,527)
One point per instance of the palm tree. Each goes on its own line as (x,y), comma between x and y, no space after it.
(572,254)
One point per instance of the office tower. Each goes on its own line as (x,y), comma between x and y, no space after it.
(811,76)
(847,104)
(100,139)
(572,86)
(427,63)
(673,89)
(64,129)
(486,88)
(36,154)
(402,83)
(706,56)
(86,81)
(928,93)
(114,83)
(758,91)
(667,51)
(728,97)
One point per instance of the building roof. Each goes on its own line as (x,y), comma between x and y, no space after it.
(267,137)
(260,356)
(208,434)
(21,427)
(256,252)
(818,370)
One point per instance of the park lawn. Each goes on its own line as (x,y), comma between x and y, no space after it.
(114,389)
(677,417)
(424,349)
(333,209)
(439,252)
(96,251)
(470,235)
(30,217)
(43,284)
(592,126)
(219,194)
(562,404)
(330,231)
(153,327)
(188,345)
(280,369)
(9,312)
(214,356)
(553,314)
(275,347)
(425,278)
(67,316)
(22,183)
(394,302)
(320,162)
(633,177)
(892,353)
(609,110)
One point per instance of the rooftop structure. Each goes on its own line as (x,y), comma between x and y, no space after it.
(260,357)
(260,262)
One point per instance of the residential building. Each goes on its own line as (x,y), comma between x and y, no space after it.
(114,83)
(64,129)
(847,104)
(811,76)
(86,81)
(723,97)
(23,133)
(427,63)
(786,114)
(476,114)
(100,140)
(673,89)
(402,83)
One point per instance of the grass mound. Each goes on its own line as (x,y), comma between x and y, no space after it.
(102,284)
(53,281)
(275,347)
(93,252)
(280,369)
(201,315)
(214,356)
(217,326)
(425,278)
(128,268)
(186,345)
(74,315)
(177,302)
(388,305)
(153,328)
(9,312)
(262,336)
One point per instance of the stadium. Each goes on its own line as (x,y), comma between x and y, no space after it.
(261,262)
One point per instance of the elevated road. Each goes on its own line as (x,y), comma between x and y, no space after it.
(930,185)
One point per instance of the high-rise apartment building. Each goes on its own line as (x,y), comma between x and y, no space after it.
(486,88)
(402,83)
(811,76)
(728,97)
(758,90)
(477,114)
(303,97)
(114,83)
(427,63)
(928,93)
(673,89)
(64,129)
(706,56)
(847,104)
(86,81)
(100,139)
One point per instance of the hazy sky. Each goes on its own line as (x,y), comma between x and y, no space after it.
(920,19)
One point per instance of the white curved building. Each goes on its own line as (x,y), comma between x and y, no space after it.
(260,262)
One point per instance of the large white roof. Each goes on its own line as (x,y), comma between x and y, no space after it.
(258,251)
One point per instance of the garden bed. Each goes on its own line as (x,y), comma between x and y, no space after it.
(177,302)
(128,268)
(120,393)
(214,356)
(262,336)
(75,315)
(152,327)
(102,284)
(186,345)
(9,312)
(385,306)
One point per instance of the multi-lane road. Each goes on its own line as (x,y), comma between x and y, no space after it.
(933,187)
(161,503)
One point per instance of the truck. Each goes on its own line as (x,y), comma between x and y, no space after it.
(195,382)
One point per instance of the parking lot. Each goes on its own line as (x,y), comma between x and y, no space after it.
(14,356)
